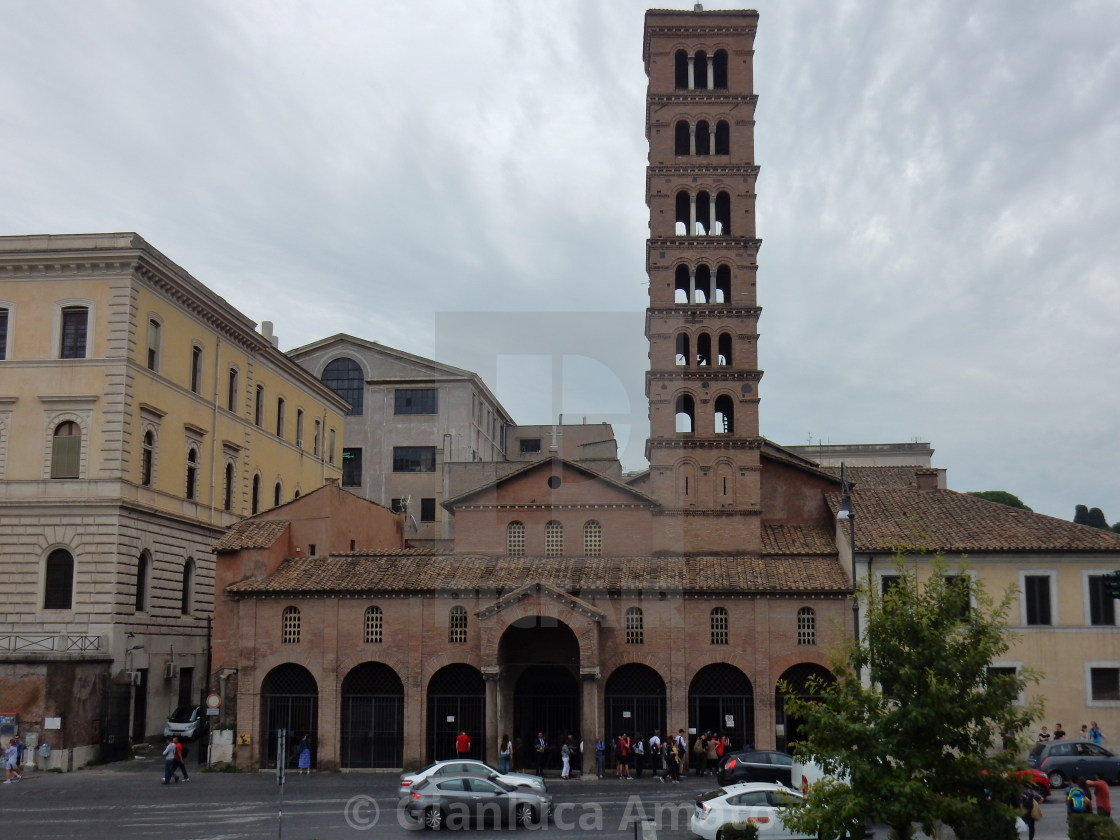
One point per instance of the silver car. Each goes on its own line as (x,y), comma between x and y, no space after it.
(460,801)
(470,767)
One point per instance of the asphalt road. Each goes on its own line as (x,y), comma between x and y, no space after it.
(126,800)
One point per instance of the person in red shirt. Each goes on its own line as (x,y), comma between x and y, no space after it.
(463,745)
(1102,799)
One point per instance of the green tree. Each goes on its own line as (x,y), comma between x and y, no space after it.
(933,735)
(1096,519)
(1081,515)
(1116,527)
(1000,497)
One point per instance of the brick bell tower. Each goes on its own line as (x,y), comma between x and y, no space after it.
(701,257)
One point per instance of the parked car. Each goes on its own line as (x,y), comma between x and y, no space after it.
(1036,779)
(459,801)
(188,722)
(470,767)
(756,766)
(1065,760)
(759,803)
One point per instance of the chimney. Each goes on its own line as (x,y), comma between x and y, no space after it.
(266,331)
(926,478)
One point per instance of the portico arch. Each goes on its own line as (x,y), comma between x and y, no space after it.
(804,680)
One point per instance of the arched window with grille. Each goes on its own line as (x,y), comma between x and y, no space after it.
(806,626)
(457,626)
(718,626)
(289,626)
(515,539)
(344,376)
(374,626)
(592,538)
(635,626)
(553,539)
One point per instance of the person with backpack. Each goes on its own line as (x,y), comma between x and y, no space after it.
(600,753)
(1077,800)
(639,755)
(1029,809)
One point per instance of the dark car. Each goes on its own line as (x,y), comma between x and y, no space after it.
(1065,760)
(756,766)
(459,801)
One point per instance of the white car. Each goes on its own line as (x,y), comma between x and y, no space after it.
(758,803)
(470,767)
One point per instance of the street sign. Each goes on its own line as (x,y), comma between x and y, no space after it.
(213,701)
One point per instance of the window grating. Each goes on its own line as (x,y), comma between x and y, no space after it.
(553,539)
(718,625)
(515,539)
(375,626)
(290,626)
(806,626)
(634,626)
(457,626)
(592,539)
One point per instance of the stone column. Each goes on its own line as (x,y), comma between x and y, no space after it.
(692,215)
(692,72)
(692,139)
(692,285)
(711,62)
(591,722)
(492,676)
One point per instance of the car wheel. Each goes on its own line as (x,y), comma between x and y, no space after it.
(433,818)
(1057,778)
(525,816)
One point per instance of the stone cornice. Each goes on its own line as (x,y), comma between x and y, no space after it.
(691,442)
(690,313)
(700,170)
(527,506)
(576,605)
(684,374)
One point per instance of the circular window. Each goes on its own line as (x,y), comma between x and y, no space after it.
(554,481)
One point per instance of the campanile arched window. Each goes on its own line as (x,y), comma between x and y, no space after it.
(289,626)
(553,539)
(457,626)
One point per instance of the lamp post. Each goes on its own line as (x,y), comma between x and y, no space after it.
(847,511)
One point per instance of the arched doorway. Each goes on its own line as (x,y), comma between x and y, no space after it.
(372,726)
(456,703)
(541,657)
(289,701)
(721,700)
(634,697)
(798,678)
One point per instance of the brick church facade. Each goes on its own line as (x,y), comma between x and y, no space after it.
(573,601)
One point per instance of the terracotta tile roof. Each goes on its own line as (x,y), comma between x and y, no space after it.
(252,533)
(384,572)
(871,477)
(954,522)
(797,539)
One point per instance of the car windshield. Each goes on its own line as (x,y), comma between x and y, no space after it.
(182,715)
(494,780)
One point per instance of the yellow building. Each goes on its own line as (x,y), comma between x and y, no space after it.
(140,416)
(1064,622)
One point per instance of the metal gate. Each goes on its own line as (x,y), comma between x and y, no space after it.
(456,703)
(372,717)
(289,701)
(635,703)
(546,699)
(721,700)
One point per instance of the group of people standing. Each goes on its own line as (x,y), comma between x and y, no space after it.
(174,751)
(1089,732)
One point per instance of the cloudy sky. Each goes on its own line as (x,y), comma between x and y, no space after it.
(939,200)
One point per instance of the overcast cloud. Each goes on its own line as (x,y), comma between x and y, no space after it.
(939,200)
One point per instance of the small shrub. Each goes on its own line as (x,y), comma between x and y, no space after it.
(986,823)
(1092,827)
(738,831)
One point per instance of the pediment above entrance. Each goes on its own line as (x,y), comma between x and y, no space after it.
(541,591)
